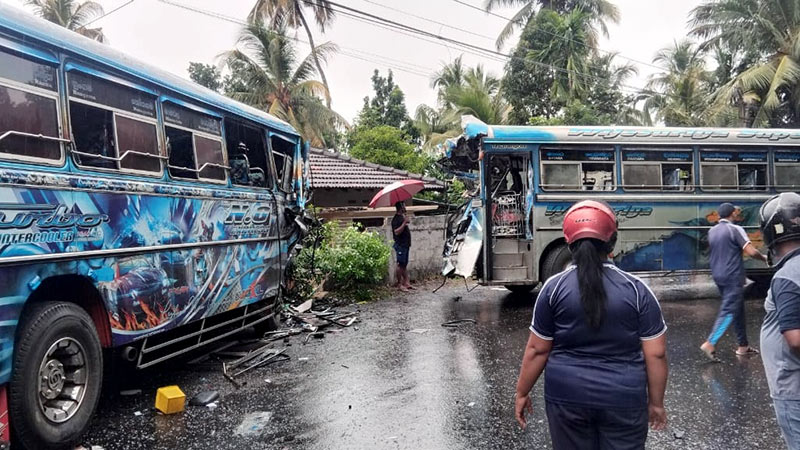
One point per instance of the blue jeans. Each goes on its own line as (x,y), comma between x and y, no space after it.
(788,414)
(582,428)
(402,255)
(731,311)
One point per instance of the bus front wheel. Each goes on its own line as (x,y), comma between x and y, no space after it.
(556,261)
(56,377)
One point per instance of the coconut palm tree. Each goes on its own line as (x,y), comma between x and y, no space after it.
(679,95)
(71,14)
(599,11)
(291,14)
(569,57)
(770,88)
(273,78)
(435,126)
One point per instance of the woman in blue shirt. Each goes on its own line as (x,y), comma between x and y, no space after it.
(600,332)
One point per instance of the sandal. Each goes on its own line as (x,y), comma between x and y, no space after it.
(749,351)
(712,355)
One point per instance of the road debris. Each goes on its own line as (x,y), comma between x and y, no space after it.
(256,358)
(303,307)
(253,423)
(204,398)
(130,392)
(458,322)
(419,330)
(170,399)
(678,434)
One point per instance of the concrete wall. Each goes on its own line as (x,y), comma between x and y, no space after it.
(427,240)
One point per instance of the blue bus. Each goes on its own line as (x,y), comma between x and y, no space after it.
(664,184)
(141,217)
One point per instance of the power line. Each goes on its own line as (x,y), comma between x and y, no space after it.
(105,15)
(399,65)
(418,34)
(469,48)
(509,19)
(448,25)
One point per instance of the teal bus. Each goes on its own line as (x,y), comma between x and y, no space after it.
(664,184)
(141,217)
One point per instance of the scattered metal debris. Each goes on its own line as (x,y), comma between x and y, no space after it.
(256,358)
(130,392)
(458,322)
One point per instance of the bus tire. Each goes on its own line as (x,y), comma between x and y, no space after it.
(556,261)
(57,353)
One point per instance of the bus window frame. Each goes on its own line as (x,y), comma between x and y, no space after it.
(265,133)
(114,113)
(220,138)
(195,169)
(294,143)
(615,163)
(660,187)
(776,164)
(701,163)
(32,55)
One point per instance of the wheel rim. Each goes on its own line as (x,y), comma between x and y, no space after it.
(62,380)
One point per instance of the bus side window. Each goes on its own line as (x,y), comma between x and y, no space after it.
(641,176)
(752,177)
(561,176)
(194,144)
(718,176)
(283,153)
(113,126)
(247,154)
(180,149)
(676,177)
(28,109)
(787,170)
(597,176)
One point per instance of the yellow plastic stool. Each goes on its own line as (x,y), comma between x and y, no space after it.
(170,399)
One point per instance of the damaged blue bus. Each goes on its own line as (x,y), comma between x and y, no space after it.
(141,217)
(664,184)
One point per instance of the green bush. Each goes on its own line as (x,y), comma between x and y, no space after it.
(349,261)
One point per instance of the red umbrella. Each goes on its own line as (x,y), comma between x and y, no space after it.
(396,192)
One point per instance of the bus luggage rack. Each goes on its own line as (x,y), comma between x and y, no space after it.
(508,219)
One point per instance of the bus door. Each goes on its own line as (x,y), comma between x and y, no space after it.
(508,188)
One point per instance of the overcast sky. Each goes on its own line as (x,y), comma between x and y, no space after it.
(170,37)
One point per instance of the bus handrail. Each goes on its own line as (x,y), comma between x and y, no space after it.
(201,168)
(31,135)
(118,158)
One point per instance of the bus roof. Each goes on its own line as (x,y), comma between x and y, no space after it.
(22,24)
(630,135)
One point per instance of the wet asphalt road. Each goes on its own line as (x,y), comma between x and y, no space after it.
(381,386)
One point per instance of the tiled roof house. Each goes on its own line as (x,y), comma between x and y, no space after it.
(340,181)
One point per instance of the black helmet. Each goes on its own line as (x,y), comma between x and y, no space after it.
(779,219)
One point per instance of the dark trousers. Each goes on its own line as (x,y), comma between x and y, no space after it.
(581,428)
(731,311)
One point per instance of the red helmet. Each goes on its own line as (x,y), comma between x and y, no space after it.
(590,219)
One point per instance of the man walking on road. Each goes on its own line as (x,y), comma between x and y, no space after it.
(727,241)
(402,245)
(780,335)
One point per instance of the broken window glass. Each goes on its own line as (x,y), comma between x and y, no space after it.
(93,133)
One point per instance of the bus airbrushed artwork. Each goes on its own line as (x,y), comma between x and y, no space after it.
(144,290)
